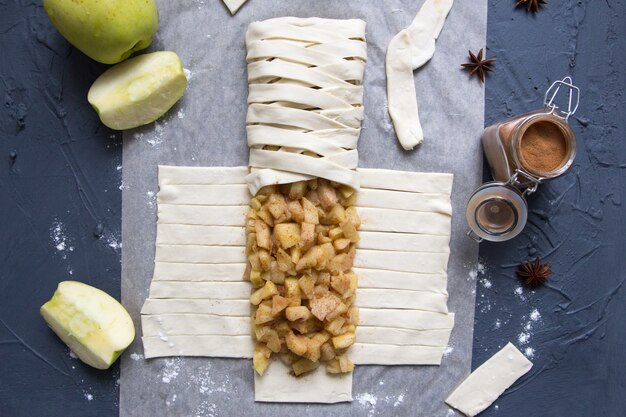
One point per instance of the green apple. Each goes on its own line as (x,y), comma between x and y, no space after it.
(90,322)
(108,31)
(138,91)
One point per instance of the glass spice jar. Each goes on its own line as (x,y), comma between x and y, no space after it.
(522,152)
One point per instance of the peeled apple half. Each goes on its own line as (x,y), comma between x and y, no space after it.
(90,322)
(139,90)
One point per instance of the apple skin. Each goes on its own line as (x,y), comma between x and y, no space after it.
(108,31)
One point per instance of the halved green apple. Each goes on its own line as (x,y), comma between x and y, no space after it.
(91,323)
(139,90)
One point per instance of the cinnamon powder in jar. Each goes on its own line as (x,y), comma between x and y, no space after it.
(544,147)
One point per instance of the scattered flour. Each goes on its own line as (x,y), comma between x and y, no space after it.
(486,283)
(188,74)
(399,400)
(535,315)
(136,356)
(57,234)
(533,318)
(497,324)
(151,198)
(154,137)
(206,409)
(447,351)
(386,119)
(181,114)
(170,370)
(170,402)
(112,241)
(523,338)
(88,396)
(366,399)
(73,355)
(206,384)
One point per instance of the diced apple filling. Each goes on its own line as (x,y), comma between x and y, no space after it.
(301,245)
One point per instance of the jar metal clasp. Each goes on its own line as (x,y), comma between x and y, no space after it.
(549,98)
(535,181)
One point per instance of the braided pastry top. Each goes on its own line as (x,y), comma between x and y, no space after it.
(305,102)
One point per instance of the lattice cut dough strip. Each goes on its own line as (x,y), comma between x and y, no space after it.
(215,195)
(315,167)
(404,242)
(398,200)
(378,354)
(430,263)
(313,29)
(199,254)
(200,290)
(202,175)
(229,308)
(414,182)
(202,215)
(193,324)
(376,278)
(404,221)
(402,337)
(189,234)
(173,271)
(216,346)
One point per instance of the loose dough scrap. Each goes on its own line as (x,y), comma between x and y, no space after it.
(408,50)
(479,390)
(199,306)
(305,101)
(234,5)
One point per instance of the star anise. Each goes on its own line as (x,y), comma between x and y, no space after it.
(531,5)
(479,66)
(534,273)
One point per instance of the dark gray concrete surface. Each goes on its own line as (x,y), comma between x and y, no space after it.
(60,215)
(577,333)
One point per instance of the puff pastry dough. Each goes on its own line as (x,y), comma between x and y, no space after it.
(305,102)
(234,5)
(479,390)
(408,50)
(198,304)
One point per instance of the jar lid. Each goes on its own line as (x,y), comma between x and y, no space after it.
(496,211)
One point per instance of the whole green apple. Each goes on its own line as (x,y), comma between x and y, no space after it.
(108,31)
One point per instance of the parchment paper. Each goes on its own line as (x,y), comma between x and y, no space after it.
(207,128)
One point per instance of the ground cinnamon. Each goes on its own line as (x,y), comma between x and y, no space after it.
(543,147)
